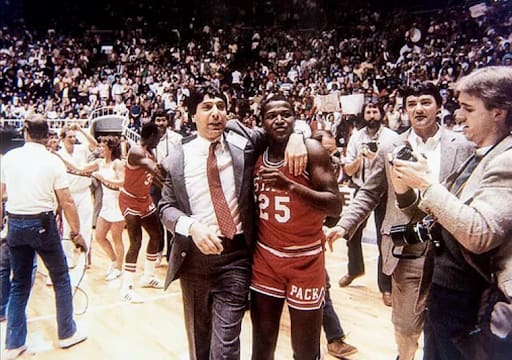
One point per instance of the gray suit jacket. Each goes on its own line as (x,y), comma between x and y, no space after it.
(480,217)
(175,202)
(454,150)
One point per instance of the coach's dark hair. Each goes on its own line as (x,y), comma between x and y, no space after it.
(197,96)
(426,88)
(37,127)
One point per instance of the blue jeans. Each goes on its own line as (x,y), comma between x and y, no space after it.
(25,238)
(5,277)
(330,320)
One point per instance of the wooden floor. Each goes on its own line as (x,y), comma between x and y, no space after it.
(155,329)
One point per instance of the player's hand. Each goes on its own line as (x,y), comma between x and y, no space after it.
(296,154)
(274,177)
(333,234)
(205,239)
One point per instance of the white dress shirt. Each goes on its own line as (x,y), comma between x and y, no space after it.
(196,183)
(432,151)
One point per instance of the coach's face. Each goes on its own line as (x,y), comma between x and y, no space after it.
(210,118)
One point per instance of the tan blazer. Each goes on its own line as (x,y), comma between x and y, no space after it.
(480,217)
(454,150)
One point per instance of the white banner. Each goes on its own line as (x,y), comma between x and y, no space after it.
(478,10)
(327,103)
(352,104)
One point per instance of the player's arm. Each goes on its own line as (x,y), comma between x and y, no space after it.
(137,157)
(296,156)
(324,195)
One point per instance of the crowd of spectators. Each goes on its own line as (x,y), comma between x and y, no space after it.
(145,63)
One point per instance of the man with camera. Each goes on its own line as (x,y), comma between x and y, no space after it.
(360,165)
(409,266)
(469,308)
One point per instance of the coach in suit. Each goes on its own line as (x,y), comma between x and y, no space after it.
(473,208)
(210,210)
(411,272)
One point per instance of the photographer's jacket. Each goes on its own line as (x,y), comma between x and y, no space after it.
(479,217)
(454,149)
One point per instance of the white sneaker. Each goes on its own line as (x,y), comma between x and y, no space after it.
(77,338)
(11,354)
(151,282)
(131,296)
(114,274)
(110,269)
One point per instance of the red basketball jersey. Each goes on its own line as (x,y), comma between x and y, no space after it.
(137,180)
(285,219)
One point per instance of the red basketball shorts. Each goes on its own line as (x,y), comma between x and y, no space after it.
(298,277)
(131,205)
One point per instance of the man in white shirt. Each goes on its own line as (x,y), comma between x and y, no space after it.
(35,181)
(79,184)
(169,139)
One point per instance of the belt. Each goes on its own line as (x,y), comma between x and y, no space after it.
(29,216)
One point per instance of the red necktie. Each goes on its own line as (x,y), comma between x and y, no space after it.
(226,224)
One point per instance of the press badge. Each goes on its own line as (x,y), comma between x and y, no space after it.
(237,140)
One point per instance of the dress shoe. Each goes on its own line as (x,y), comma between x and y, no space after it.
(387,299)
(11,354)
(340,349)
(77,338)
(347,279)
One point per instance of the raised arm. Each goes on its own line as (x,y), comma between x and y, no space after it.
(87,135)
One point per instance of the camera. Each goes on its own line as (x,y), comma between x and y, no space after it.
(404,152)
(372,146)
(369,146)
(415,233)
